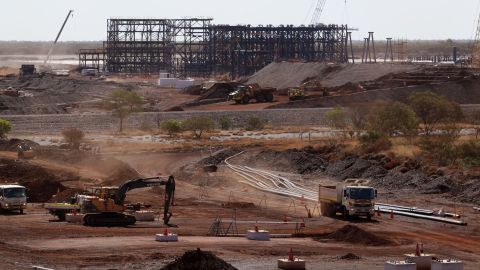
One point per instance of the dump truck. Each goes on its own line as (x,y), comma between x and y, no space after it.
(244,93)
(25,151)
(352,197)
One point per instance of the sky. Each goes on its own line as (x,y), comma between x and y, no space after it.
(35,20)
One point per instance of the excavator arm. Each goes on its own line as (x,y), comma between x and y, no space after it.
(150,182)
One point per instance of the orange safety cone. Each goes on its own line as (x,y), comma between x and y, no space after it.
(290,255)
(417,251)
(391,214)
(165,232)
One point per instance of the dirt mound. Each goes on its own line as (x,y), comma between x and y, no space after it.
(65,196)
(285,74)
(49,94)
(41,183)
(355,235)
(219,156)
(197,259)
(349,256)
(118,171)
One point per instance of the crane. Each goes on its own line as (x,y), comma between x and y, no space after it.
(318,12)
(70,13)
(476,46)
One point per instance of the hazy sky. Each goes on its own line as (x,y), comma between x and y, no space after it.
(412,19)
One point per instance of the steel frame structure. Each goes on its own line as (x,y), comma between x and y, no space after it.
(195,47)
(91,58)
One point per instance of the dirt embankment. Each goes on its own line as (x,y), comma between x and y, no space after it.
(50,95)
(388,172)
(198,259)
(41,183)
(465,91)
(284,75)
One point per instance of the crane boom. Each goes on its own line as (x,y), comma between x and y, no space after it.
(318,12)
(70,12)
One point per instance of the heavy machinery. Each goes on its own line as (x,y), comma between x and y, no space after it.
(244,93)
(50,51)
(352,197)
(104,206)
(296,93)
(25,151)
(13,197)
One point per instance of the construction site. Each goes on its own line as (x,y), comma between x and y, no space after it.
(190,144)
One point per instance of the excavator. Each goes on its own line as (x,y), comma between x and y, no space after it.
(105,207)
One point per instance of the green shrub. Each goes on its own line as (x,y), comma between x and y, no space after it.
(439,147)
(5,127)
(254,123)
(372,142)
(225,123)
(171,127)
(336,118)
(198,125)
(73,136)
(469,152)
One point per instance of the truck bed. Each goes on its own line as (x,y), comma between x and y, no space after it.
(327,194)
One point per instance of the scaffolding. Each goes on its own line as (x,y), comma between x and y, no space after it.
(196,47)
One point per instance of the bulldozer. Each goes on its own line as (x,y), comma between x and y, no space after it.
(105,206)
(25,151)
(296,93)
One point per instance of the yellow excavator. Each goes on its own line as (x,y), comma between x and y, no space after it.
(105,206)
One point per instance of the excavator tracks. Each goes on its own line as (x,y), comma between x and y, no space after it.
(108,219)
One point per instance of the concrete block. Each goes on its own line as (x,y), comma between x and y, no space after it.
(286,264)
(260,235)
(144,215)
(424,261)
(166,238)
(400,265)
(71,218)
(447,265)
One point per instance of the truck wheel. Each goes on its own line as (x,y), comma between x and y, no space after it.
(345,214)
(245,99)
(269,97)
(260,98)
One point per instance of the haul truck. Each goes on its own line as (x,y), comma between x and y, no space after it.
(352,197)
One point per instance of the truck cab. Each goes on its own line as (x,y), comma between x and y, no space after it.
(359,201)
(13,198)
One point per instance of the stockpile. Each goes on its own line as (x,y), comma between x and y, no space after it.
(355,235)
(41,183)
(198,259)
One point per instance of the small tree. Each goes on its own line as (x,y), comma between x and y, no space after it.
(73,137)
(389,118)
(358,114)
(336,118)
(225,123)
(433,109)
(171,127)
(5,127)
(122,103)
(198,125)
(474,119)
(254,123)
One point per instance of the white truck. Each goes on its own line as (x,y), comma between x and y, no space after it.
(352,197)
(13,198)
